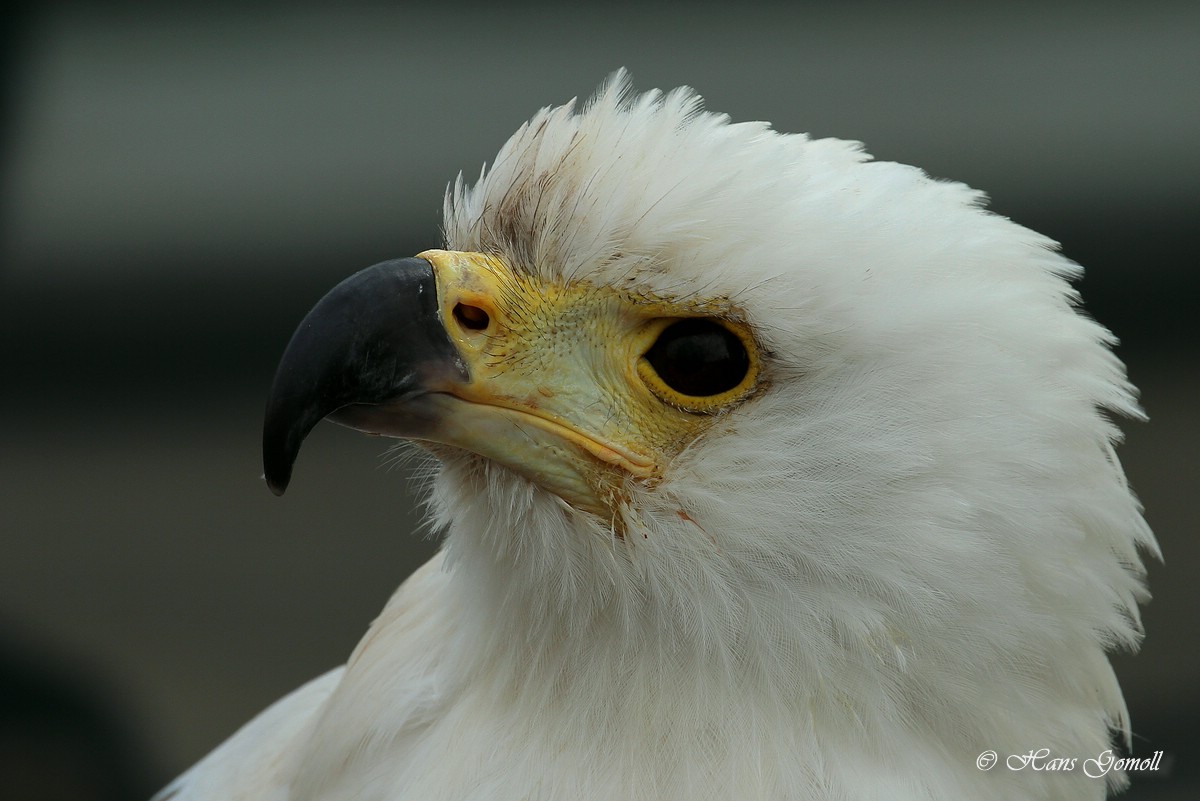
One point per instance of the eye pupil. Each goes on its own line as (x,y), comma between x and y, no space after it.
(699,357)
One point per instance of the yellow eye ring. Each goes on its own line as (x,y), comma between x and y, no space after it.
(699,364)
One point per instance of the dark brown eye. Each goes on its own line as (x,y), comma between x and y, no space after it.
(699,358)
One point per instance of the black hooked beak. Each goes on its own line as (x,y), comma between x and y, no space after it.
(376,338)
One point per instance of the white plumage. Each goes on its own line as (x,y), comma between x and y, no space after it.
(913,545)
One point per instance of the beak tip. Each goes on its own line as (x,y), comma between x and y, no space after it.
(277,467)
(276,485)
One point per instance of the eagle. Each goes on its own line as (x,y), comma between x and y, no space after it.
(764,470)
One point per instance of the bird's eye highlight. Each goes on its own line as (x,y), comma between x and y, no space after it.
(698,363)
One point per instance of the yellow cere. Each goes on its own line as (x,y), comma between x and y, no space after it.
(563,364)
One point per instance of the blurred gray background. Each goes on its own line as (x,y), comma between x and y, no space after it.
(181,182)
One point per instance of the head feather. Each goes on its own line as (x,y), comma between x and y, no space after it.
(920,527)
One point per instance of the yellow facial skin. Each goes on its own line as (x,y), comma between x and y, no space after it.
(559,391)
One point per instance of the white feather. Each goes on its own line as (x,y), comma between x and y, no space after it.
(917,545)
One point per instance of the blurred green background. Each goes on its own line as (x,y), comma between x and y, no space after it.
(182,181)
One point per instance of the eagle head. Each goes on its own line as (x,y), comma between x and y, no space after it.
(748,432)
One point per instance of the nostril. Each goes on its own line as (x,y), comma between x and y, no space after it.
(471,317)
